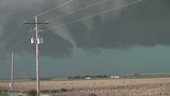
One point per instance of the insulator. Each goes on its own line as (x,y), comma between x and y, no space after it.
(41,40)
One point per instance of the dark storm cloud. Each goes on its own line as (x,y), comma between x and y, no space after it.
(145,23)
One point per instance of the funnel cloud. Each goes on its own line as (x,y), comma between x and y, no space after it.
(142,24)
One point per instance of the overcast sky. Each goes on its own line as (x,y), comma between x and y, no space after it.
(86,37)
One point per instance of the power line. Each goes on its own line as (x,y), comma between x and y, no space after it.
(25,37)
(113,9)
(78,10)
(14,32)
(18,30)
(54,8)
(22,40)
(50,10)
(12,36)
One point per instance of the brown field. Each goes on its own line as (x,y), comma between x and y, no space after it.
(111,87)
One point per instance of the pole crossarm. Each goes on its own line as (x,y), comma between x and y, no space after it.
(36,23)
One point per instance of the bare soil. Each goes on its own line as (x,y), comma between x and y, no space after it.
(111,87)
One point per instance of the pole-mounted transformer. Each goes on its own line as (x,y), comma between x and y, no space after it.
(32,40)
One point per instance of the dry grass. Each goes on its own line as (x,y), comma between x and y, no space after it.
(119,87)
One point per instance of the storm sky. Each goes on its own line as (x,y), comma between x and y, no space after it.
(86,37)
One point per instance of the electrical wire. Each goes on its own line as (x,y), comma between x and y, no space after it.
(113,9)
(78,10)
(25,37)
(14,32)
(50,10)
(54,8)
(12,36)
(22,40)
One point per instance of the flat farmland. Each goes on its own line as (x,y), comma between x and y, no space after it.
(109,87)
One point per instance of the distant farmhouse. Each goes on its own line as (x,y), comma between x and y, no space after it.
(115,77)
(88,78)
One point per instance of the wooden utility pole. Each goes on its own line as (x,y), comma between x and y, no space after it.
(37,58)
(12,72)
(37,42)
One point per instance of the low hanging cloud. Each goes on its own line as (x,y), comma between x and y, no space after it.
(145,23)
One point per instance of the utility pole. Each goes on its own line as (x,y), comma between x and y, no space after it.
(37,40)
(12,72)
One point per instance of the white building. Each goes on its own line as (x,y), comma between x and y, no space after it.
(115,77)
(88,78)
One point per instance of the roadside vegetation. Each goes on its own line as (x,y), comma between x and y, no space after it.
(92,94)
(3,92)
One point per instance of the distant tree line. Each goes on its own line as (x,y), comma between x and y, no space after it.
(88,76)
(41,78)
